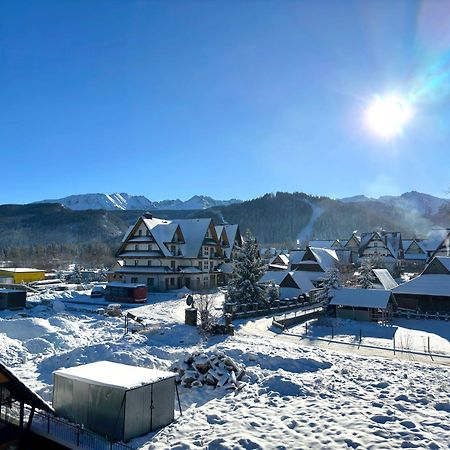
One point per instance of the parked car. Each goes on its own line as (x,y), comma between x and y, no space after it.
(97,292)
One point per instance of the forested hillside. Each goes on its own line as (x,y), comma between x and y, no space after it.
(46,234)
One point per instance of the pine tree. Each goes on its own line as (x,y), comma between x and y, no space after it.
(331,282)
(366,277)
(243,287)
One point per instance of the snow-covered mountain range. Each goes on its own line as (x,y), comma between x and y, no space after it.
(424,204)
(123,201)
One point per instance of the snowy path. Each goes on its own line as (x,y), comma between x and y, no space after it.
(262,327)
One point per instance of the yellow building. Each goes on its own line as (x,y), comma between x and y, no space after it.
(22,274)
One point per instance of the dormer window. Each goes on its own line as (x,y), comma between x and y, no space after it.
(140,232)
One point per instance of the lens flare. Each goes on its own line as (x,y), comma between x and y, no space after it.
(387,116)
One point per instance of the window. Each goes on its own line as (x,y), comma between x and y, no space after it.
(149,262)
(173,249)
(200,265)
(134,280)
(206,265)
(150,282)
(140,232)
(136,262)
(172,281)
(172,265)
(150,247)
(136,247)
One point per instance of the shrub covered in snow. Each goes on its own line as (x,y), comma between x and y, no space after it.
(216,370)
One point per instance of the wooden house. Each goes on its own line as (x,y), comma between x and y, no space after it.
(428,292)
(372,305)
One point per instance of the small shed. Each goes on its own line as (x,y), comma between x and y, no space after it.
(115,400)
(22,274)
(12,299)
(363,304)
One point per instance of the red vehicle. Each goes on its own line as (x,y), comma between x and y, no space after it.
(126,292)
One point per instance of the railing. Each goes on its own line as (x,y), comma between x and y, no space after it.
(61,431)
(412,314)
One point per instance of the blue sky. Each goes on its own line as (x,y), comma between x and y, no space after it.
(224,98)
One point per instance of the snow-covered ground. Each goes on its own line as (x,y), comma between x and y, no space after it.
(294,396)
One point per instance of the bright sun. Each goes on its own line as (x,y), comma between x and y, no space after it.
(387,116)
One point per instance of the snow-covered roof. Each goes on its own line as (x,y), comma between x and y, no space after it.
(295,256)
(162,231)
(361,298)
(321,243)
(284,259)
(126,285)
(385,278)
(325,257)
(445,261)
(426,285)
(435,239)
(194,232)
(19,269)
(189,269)
(277,276)
(107,373)
(302,280)
(143,269)
(231,231)
(225,268)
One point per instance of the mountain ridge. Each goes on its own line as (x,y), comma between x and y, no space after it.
(126,202)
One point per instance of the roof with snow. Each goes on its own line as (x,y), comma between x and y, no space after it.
(107,373)
(325,257)
(20,391)
(194,232)
(321,243)
(385,278)
(438,285)
(295,256)
(361,298)
(19,270)
(277,276)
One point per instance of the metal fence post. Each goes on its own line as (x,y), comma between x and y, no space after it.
(332,332)
(360,335)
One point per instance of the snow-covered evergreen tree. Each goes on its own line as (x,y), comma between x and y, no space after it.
(243,287)
(331,282)
(366,277)
(273,293)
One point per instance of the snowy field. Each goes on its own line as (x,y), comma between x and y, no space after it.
(408,334)
(294,397)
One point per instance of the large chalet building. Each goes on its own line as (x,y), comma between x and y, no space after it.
(171,254)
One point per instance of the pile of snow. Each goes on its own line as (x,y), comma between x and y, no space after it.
(216,370)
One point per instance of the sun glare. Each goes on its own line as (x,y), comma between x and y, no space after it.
(387,116)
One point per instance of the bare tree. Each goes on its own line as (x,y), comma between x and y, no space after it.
(207,312)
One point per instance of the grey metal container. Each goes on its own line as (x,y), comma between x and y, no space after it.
(12,299)
(118,408)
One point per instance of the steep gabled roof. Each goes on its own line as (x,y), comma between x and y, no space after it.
(325,257)
(20,391)
(162,231)
(194,232)
(385,278)
(296,256)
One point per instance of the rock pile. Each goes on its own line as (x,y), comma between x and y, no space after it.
(216,370)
